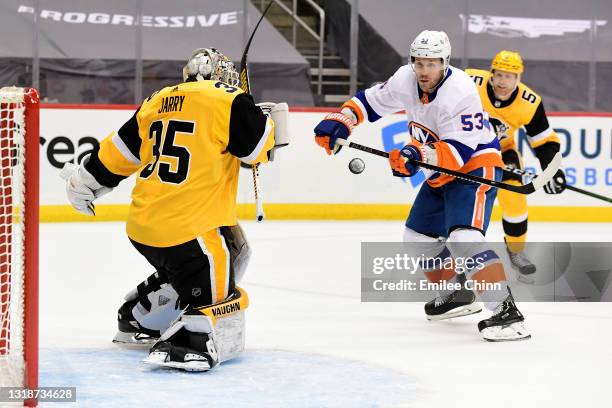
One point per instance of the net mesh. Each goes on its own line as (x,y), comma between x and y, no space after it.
(12,191)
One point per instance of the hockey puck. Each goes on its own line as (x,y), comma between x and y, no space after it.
(356,166)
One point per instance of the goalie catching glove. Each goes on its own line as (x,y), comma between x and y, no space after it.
(81,187)
(278,113)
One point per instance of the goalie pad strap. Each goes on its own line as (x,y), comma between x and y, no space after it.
(239,301)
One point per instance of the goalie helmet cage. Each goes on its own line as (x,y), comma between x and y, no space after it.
(19,186)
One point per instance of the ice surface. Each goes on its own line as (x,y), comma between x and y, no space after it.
(310,341)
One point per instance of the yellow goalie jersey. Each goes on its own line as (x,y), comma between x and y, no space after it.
(524,108)
(185,144)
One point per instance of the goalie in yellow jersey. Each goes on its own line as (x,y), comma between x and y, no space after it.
(511,105)
(185,144)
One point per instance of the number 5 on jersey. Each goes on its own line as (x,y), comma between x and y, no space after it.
(169,150)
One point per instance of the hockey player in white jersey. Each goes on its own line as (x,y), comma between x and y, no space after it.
(448,128)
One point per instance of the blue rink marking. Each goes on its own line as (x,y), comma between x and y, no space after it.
(259,378)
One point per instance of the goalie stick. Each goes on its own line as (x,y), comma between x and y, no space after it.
(528,188)
(245,86)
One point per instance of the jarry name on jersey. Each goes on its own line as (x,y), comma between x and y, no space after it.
(171,104)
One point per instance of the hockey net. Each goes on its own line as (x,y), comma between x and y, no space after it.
(19,168)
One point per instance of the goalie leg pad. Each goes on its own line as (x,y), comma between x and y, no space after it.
(239,249)
(228,318)
(204,337)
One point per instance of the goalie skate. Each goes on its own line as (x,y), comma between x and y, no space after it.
(166,355)
(130,332)
(189,344)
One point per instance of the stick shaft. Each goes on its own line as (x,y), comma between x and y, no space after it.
(246,87)
(588,193)
(525,189)
(510,172)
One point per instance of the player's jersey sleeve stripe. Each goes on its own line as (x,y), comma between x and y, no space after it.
(356,106)
(249,128)
(547,136)
(118,155)
(99,170)
(130,136)
(365,110)
(488,150)
(538,122)
(485,148)
(446,156)
(124,150)
(461,152)
(114,159)
(266,142)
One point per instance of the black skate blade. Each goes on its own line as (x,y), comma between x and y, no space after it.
(160,360)
(133,341)
(458,312)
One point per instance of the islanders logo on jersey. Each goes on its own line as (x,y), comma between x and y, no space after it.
(422,133)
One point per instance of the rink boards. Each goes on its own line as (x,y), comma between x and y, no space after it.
(304,183)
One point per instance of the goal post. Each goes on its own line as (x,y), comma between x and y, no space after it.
(19,212)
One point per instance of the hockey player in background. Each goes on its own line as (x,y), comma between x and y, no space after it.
(449,217)
(512,105)
(185,144)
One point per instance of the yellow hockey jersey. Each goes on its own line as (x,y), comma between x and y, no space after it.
(185,143)
(524,108)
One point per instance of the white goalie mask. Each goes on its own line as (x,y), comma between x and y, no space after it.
(209,63)
(431,44)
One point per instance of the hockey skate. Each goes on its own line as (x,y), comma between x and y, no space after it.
(525,268)
(456,304)
(506,324)
(130,332)
(184,349)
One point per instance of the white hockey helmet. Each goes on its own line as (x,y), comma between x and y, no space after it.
(431,44)
(210,63)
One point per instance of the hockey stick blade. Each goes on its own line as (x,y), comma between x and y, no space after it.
(548,172)
(529,188)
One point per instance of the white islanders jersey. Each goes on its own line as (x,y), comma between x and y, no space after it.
(451,118)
